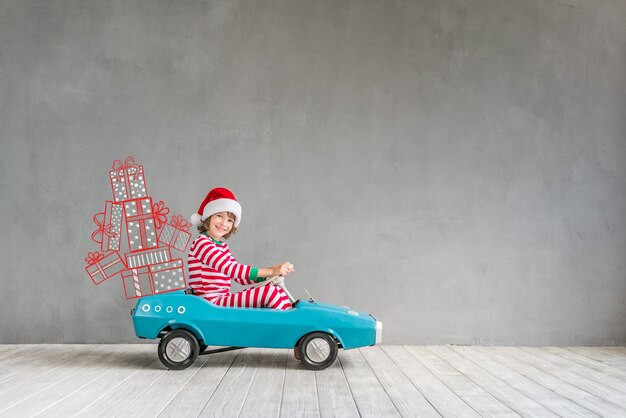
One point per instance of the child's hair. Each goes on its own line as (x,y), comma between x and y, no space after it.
(204,226)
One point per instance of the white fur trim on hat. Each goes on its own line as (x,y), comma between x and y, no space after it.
(222,205)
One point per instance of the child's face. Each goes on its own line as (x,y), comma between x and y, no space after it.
(220,224)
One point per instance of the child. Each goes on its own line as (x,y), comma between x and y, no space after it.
(211,265)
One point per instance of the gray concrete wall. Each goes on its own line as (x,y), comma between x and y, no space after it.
(455,168)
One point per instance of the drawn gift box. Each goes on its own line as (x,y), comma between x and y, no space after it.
(153,279)
(175,234)
(140,225)
(111,227)
(167,277)
(147,257)
(101,267)
(104,229)
(127,180)
(137,282)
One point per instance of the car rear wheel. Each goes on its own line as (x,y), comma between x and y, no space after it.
(317,350)
(178,349)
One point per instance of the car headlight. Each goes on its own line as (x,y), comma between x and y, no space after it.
(379,332)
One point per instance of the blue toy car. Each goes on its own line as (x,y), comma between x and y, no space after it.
(187,324)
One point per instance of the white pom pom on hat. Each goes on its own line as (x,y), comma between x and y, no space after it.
(196,219)
(218,200)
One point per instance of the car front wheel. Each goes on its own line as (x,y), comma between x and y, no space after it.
(178,349)
(317,350)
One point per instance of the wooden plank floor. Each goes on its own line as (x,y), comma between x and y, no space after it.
(385,381)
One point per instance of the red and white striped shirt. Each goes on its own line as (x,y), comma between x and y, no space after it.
(211,266)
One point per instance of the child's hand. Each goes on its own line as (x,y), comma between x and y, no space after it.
(282,269)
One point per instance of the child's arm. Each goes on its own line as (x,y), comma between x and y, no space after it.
(261,273)
(208,253)
(282,269)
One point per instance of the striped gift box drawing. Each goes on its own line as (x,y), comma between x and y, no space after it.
(137,282)
(145,258)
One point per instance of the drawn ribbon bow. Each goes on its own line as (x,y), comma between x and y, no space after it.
(128,163)
(179,222)
(93,258)
(103,229)
(160,214)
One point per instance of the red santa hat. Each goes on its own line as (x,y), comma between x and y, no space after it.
(218,200)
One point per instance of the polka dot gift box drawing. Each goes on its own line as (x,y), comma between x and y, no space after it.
(113,220)
(127,180)
(168,276)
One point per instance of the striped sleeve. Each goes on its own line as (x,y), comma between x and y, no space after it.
(220,260)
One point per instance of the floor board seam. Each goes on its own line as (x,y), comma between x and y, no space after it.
(282,391)
(349,387)
(571,399)
(475,383)
(134,399)
(530,380)
(218,383)
(563,380)
(205,360)
(383,386)
(587,369)
(441,380)
(503,382)
(412,383)
(110,390)
(256,369)
(42,389)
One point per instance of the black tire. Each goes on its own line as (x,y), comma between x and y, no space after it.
(317,350)
(178,349)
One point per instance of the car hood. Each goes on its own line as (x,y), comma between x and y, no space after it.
(327,307)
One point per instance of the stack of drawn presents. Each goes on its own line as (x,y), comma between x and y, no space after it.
(136,240)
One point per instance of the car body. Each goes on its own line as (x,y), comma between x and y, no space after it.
(249,327)
(214,325)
